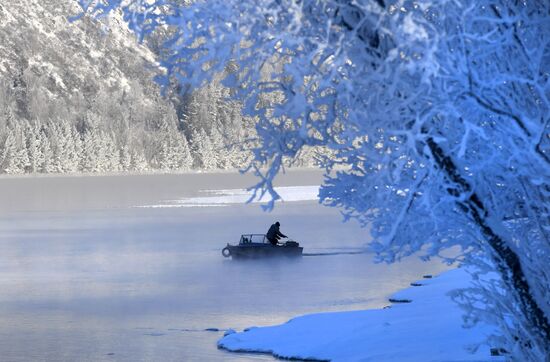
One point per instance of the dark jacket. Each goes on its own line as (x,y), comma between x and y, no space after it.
(273,234)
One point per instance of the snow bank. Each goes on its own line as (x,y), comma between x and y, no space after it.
(240,196)
(427,329)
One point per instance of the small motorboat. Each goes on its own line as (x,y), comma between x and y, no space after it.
(252,246)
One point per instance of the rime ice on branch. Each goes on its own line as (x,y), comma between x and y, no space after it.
(436,115)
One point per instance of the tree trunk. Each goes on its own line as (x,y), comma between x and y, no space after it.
(507,261)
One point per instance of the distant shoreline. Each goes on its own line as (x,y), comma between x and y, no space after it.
(144,173)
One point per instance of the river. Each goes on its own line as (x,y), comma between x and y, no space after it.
(129,268)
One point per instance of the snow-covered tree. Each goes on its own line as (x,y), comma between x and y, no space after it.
(69,144)
(165,157)
(8,152)
(46,154)
(436,114)
(223,152)
(125,158)
(91,152)
(112,154)
(57,143)
(206,157)
(182,151)
(16,150)
(138,162)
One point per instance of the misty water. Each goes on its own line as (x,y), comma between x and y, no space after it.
(119,268)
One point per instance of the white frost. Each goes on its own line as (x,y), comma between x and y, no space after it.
(414,30)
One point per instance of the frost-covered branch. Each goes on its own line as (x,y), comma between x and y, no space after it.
(435,114)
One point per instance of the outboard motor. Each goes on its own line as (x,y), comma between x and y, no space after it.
(291,243)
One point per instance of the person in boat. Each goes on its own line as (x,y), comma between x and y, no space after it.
(274,234)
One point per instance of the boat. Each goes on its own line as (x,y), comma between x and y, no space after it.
(253,246)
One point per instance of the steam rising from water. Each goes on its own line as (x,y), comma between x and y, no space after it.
(86,276)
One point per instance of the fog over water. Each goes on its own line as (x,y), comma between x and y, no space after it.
(107,268)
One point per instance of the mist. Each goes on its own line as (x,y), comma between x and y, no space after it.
(91,273)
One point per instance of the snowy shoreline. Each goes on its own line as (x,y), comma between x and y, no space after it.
(429,328)
(294,169)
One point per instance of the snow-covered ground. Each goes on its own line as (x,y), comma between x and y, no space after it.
(429,328)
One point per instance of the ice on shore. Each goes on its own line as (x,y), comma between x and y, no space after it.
(213,198)
(430,328)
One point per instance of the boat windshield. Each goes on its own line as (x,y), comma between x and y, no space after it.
(252,238)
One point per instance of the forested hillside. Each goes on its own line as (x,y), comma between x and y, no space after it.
(79,97)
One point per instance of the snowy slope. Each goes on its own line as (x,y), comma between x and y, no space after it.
(427,329)
(43,53)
